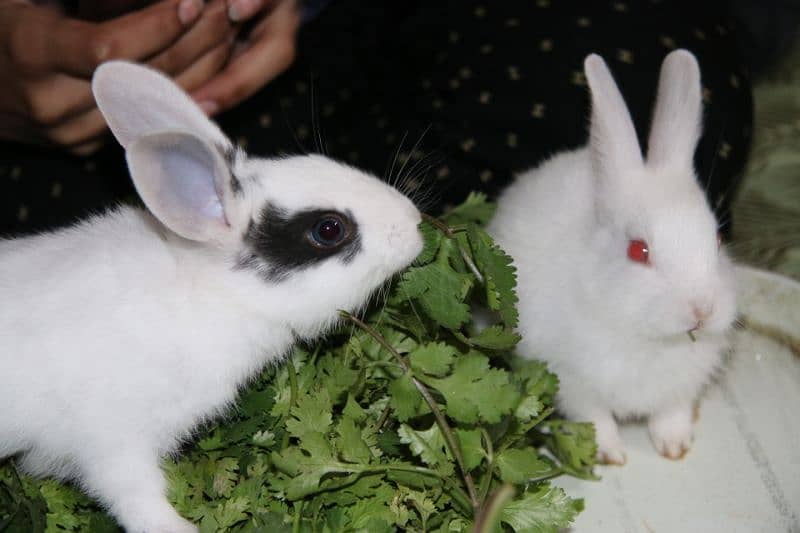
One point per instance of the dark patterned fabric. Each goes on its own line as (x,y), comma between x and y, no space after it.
(463,93)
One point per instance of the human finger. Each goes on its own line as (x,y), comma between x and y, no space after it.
(58,98)
(206,67)
(89,147)
(241,10)
(271,52)
(77,130)
(211,29)
(78,48)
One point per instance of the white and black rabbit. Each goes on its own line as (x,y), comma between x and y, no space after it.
(120,334)
(618,257)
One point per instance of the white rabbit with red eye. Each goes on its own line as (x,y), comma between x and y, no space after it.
(619,264)
(119,335)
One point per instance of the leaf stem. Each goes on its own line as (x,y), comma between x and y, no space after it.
(459,496)
(487,519)
(450,438)
(384,364)
(452,442)
(384,416)
(486,481)
(378,337)
(293,392)
(553,473)
(448,232)
(438,224)
(506,442)
(298,516)
(380,468)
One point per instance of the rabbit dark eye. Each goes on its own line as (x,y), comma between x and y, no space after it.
(328,231)
(638,251)
(281,242)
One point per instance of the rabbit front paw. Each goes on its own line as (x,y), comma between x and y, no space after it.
(671,432)
(610,449)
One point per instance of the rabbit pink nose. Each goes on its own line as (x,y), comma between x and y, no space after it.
(701,313)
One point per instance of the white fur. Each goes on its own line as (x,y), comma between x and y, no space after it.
(615,331)
(118,336)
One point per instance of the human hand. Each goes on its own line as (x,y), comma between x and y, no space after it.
(267,50)
(47,59)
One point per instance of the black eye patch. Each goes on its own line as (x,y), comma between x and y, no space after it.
(280,243)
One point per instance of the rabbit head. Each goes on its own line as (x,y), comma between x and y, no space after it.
(661,265)
(320,235)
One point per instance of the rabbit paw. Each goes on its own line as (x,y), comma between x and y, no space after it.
(671,432)
(610,450)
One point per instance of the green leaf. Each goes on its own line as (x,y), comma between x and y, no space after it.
(538,380)
(421,503)
(471,447)
(440,291)
(476,209)
(225,476)
(352,447)
(496,338)
(389,443)
(373,513)
(273,523)
(256,402)
(264,439)
(429,445)
(528,408)
(499,275)
(434,358)
(212,442)
(338,377)
(476,392)
(520,465)
(432,239)
(353,410)
(311,412)
(318,445)
(546,509)
(305,484)
(414,480)
(573,444)
(307,471)
(405,398)
(231,512)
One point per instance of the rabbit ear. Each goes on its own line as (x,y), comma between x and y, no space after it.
(613,143)
(137,101)
(176,155)
(185,182)
(678,113)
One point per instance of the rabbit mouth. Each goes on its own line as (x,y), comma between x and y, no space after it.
(696,329)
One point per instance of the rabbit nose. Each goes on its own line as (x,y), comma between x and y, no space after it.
(701,313)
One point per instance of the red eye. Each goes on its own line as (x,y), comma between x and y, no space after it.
(638,251)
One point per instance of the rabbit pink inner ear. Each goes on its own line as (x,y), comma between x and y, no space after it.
(184,182)
(613,142)
(678,113)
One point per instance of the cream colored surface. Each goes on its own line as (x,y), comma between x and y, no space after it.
(743,472)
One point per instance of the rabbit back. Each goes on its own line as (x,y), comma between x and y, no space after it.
(116,337)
